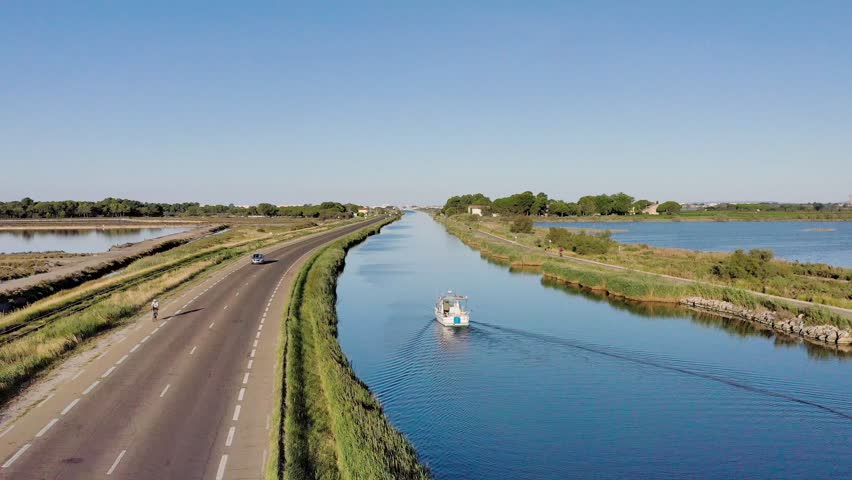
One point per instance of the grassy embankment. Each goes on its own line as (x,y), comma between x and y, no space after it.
(44,332)
(333,427)
(678,263)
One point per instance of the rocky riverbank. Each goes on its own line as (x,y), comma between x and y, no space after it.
(779,321)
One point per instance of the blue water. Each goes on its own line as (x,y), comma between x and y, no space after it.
(549,382)
(77,241)
(789,240)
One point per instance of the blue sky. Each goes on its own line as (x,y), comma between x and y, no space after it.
(407,102)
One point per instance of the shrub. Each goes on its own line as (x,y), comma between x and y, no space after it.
(582,242)
(756,264)
(521,225)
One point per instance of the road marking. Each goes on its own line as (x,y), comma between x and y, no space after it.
(17,455)
(155,330)
(249,364)
(115,463)
(106,374)
(121,360)
(253,351)
(75,377)
(135,347)
(165,390)
(230,438)
(260,327)
(237,295)
(91,387)
(241,395)
(69,406)
(245,378)
(120,340)
(258,335)
(6,431)
(145,339)
(46,427)
(226,307)
(186,305)
(267,421)
(164,323)
(100,356)
(211,325)
(237,413)
(193,350)
(267,310)
(220,474)
(263,465)
(255,344)
(45,400)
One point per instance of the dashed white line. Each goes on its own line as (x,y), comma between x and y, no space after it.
(121,360)
(135,347)
(106,374)
(163,393)
(164,323)
(145,339)
(6,431)
(237,413)
(255,344)
(258,335)
(226,307)
(75,377)
(241,395)
(115,463)
(91,387)
(249,364)
(45,400)
(245,378)
(19,453)
(253,351)
(193,350)
(155,330)
(211,325)
(260,327)
(220,473)
(69,406)
(100,356)
(230,439)
(46,427)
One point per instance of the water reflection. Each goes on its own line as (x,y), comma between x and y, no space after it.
(76,240)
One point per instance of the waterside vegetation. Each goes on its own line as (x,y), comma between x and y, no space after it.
(332,426)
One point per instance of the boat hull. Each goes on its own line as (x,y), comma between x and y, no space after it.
(461,320)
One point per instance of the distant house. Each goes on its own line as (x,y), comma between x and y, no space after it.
(363,211)
(651,209)
(475,209)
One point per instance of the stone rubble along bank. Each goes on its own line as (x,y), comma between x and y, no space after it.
(778,321)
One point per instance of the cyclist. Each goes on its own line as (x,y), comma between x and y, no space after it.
(155,307)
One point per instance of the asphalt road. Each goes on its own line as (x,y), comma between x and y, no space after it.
(187,397)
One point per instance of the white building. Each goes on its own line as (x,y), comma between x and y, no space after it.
(475,209)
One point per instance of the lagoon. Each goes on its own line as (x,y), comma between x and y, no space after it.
(76,240)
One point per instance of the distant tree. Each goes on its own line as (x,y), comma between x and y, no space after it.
(587,205)
(669,208)
(266,209)
(640,205)
(621,203)
(539,206)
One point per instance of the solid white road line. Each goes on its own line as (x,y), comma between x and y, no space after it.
(241,395)
(45,428)
(17,455)
(121,360)
(220,474)
(115,463)
(70,406)
(230,439)
(165,390)
(245,378)
(237,413)
(193,350)
(91,387)
(106,374)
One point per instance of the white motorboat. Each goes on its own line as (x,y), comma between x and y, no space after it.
(450,310)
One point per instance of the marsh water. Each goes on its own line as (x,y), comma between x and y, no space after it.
(76,241)
(550,382)
(820,242)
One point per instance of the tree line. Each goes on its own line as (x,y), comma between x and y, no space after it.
(527,203)
(121,207)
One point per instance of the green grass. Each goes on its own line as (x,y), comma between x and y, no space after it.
(333,426)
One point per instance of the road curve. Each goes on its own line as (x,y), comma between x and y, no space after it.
(186,397)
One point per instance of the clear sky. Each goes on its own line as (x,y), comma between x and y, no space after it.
(407,102)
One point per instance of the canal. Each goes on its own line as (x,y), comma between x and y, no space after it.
(550,382)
